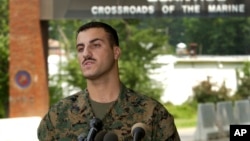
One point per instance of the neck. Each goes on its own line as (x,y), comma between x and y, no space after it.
(104,91)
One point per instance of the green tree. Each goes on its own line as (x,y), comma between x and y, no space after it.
(4,87)
(140,44)
(219,36)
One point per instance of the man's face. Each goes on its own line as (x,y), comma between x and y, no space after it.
(96,56)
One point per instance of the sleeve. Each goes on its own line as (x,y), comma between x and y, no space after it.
(46,130)
(164,128)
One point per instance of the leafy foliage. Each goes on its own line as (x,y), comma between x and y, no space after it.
(206,91)
(140,46)
(243,75)
(219,36)
(4,86)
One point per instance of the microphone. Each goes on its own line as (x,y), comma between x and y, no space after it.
(96,126)
(110,136)
(100,135)
(138,131)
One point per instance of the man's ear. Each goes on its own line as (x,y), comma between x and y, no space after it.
(117,52)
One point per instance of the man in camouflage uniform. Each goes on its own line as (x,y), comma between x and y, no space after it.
(105,97)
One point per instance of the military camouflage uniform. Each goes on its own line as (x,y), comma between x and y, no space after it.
(70,117)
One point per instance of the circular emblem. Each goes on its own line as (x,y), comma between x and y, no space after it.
(23,79)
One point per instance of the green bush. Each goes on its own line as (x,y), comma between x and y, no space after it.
(205,92)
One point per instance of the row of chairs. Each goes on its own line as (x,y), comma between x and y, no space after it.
(214,120)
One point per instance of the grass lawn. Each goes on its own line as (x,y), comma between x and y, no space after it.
(185,115)
(185,123)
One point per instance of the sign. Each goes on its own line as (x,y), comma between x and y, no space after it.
(79,9)
(22,79)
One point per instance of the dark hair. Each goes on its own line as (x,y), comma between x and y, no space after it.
(114,40)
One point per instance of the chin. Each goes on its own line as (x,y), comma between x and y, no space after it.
(89,77)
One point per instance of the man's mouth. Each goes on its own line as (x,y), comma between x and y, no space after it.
(88,62)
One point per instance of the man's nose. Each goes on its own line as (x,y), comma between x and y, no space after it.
(87,53)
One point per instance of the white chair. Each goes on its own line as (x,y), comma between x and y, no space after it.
(242,111)
(206,123)
(225,116)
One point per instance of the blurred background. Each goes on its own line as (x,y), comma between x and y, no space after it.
(180,60)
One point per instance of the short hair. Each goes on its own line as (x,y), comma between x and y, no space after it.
(113,37)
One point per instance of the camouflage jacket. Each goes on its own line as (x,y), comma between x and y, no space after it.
(70,117)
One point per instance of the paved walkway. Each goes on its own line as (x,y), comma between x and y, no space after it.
(186,134)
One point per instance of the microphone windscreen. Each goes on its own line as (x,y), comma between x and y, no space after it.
(110,136)
(138,126)
(100,135)
(96,123)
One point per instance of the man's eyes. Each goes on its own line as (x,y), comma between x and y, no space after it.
(91,46)
(94,45)
(80,49)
